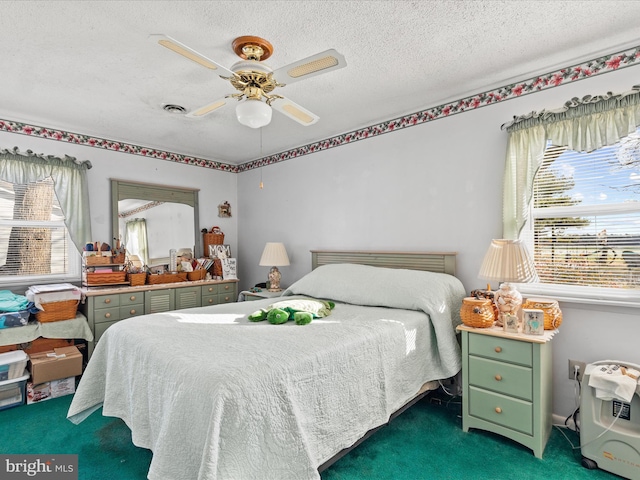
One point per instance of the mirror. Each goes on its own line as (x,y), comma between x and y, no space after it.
(153,219)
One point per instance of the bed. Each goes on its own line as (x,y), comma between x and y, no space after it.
(216,397)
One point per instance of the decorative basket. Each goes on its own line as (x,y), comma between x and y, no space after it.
(119,258)
(97,260)
(215,237)
(488,294)
(196,275)
(477,312)
(551,309)
(57,311)
(105,278)
(136,279)
(166,278)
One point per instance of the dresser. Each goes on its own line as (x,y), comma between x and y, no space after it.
(105,306)
(507,384)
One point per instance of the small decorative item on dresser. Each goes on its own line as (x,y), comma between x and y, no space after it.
(212,237)
(533,321)
(477,312)
(551,309)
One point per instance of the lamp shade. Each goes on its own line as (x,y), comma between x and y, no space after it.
(253,113)
(507,261)
(274,255)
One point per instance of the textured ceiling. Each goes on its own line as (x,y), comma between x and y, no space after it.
(90,68)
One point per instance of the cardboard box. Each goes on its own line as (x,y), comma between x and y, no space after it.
(60,363)
(48,390)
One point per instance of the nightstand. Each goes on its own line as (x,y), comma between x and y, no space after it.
(247,295)
(507,384)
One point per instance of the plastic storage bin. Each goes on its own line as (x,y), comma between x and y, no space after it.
(14,319)
(12,364)
(12,392)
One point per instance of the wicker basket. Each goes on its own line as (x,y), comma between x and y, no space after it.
(136,279)
(166,278)
(97,260)
(118,258)
(105,278)
(56,311)
(477,312)
(551,309)
(212,239)
(196,275)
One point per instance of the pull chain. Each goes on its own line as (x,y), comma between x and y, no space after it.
(261,184)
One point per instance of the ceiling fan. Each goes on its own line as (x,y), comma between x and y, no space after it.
(255,81)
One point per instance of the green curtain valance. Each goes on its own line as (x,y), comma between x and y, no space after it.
(70,185)
(583,125)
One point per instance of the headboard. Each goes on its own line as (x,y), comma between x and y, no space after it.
(441,262)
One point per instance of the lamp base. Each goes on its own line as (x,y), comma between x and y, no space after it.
(274,280)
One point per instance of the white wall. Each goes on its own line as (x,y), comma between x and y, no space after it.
(215,186)
(432,187)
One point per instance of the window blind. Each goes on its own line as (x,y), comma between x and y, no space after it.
(586,216)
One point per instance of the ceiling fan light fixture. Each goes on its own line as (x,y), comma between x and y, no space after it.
(253,113)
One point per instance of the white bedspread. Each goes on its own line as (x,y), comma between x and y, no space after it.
(215,396)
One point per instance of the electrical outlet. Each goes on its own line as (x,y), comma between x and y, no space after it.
(572,369)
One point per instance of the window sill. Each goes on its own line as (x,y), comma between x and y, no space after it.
(583,295)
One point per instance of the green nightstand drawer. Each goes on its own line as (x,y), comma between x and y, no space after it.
(501,349)
(506,411)
(513,380)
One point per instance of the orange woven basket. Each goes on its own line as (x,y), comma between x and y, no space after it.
(166,278)
(196,275)
(105,278)
(57,311)
(551,309)
(136,279)
(477,312)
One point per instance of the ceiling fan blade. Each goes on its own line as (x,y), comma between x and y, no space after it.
(308,67)
(294,111)
(180,48)
(207,109)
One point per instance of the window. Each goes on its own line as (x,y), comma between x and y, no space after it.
(34,242)
(571,191)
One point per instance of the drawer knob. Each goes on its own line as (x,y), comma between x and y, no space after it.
(211,300)
(226,287)
(498,349)
(211,289)
(107,315)
(133,312)
(498,378)
(226,299)
(498,410)
(108,300)
(132,298)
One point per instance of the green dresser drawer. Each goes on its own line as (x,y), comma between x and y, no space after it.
(107,301)
(506,411)
(106,314)
(209,290)
(131,311)
(209,300)
(227,288)
(100,329)
(226,297)
(513,380)
(501,349)
(132,299)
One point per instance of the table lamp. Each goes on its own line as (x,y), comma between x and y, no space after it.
(507,261)
(274,254)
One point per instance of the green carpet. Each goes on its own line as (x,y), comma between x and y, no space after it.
(425,442)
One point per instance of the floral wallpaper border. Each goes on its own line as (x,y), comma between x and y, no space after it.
(599,66)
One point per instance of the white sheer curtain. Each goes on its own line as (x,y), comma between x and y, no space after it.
(583,125)
(136,239)
(70,184)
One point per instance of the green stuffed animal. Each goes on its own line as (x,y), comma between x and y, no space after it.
(300,310)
